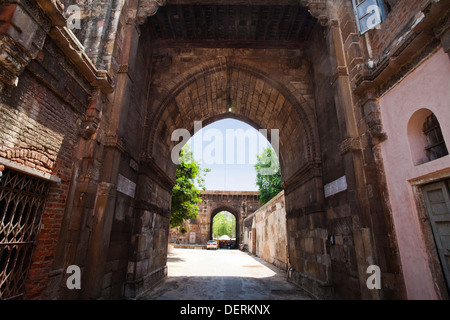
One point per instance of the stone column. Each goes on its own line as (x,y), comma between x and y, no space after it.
(352,153)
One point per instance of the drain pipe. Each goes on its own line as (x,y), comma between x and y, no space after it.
(370,62)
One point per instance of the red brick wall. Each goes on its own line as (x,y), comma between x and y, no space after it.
(38,129)
(395,25)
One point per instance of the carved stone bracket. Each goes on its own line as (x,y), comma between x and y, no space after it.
(372,117)
(92,117)
(442,32)
(114,141)
(148,8)
(350,144)
(318,9)
(21,38)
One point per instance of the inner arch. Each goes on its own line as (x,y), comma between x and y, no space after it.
(203,94)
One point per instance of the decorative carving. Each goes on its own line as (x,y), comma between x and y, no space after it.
(350,144)
(318,9)
(92,117)
(21,38)
(148,8)
(114,141)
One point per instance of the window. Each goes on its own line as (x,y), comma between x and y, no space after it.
(436,147)
(369,14)
(22,201)
(425,137)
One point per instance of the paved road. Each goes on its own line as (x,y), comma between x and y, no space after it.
(223,275)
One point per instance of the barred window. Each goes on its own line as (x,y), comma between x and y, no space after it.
(436,147)
(22,201)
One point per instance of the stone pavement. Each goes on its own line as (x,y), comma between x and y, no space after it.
(223,275)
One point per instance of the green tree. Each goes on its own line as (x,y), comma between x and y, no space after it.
(268,175)
(224,223)
(186,195)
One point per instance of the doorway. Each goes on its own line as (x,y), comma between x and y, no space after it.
(437,203)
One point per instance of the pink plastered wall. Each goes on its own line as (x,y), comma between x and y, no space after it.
(428,87)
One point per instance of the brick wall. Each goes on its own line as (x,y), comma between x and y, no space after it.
(397,23)
(38,129)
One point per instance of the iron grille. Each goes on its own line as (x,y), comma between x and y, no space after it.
(436,147)
(22,200)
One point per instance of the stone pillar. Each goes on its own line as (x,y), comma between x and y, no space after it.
(352,153)
(149,244)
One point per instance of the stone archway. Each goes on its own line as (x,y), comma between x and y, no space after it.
(259,98)
(114,209)
(239,203)
(262,96)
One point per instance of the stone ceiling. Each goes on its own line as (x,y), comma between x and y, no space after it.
(284,25)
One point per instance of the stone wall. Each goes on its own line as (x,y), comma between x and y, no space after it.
(401,108)
(265,232)
(39,127)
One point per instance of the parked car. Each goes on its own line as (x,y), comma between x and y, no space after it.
(212,244)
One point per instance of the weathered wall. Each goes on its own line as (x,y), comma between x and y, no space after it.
(398,107)
(401,17)
(40,120)
(268,225)
(411,33)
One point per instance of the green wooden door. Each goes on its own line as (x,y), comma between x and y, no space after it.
(437,201)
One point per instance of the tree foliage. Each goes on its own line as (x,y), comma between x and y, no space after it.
(186,195)
(268,175)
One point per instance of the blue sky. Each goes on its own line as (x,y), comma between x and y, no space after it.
(232,173)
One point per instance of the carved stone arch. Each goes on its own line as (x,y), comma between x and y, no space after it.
(294,106)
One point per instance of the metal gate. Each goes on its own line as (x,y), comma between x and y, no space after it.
(22,200)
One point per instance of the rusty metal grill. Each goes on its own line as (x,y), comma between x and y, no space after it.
(22,200)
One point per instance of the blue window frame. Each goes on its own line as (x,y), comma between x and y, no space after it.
(369,14)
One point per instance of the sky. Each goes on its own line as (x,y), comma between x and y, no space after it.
(229,148)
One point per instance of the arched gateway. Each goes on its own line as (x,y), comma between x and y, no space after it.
(88,114)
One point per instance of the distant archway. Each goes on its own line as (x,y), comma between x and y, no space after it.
(236,214)
(233,233)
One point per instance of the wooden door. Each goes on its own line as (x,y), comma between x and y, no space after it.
(437,201)
(254,241)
